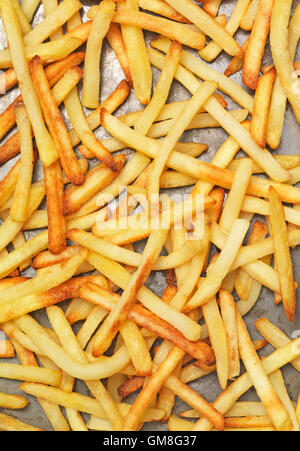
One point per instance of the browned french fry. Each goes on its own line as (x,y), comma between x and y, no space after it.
(262,100)
(6,349)
(56,221)
(130,386)
(257,42)
(282,254)
(211,7)
(55,123)
(237,62)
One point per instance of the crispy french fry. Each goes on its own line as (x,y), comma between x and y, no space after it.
(6,348)
(211,7)
(55,123)
(261,108)
(115,39)
(257,42)
(56,222)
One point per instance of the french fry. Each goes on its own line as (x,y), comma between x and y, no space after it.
(29,7)
(55,123)
(115,39)
(257,42)
(206,24)
(19,208)
(247,21)
(203,71)
(95,181)
(211,284)
(120,311)
(261,108)
(49,7)
(91,77)
(140,68)
(211,7)
(150,321)
(274,407)
(6,348)
(163,9)
(275,336)
(278,383)
(200,97)
(237,63)
(8,423)
(228,315)
(29,373)
(56,222)
(24,23)
(46,147)
(212,50)
(282,254)
(282,59)
(234,201)
(218,338)
(79,122)
(12,401)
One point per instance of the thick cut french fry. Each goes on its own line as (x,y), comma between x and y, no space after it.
(99,29)
(211,7)
(257,42)
(282,254)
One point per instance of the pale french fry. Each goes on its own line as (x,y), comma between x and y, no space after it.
(12,401)
(282,254)
(261,108)
(212,50)
(29,7)
(19,208)
(228,315)
(55,123)
(91,77)
(274,407)
(49,8)
(29,373)
(140,68)
(56,222)
(8,184)
(46,147)
(257,42)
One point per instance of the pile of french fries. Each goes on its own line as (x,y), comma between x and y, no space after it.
(236,241)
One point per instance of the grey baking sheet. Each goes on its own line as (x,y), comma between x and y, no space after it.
(207,386)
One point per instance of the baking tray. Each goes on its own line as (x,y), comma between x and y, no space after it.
(111,75)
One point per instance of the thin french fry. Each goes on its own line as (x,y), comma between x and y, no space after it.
(228,315)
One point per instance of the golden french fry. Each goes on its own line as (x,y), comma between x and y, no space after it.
(257,42)
(228,315)
(262,99)
(247,21)
(91,77)
(8,423)
(115,39)
(282,254)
